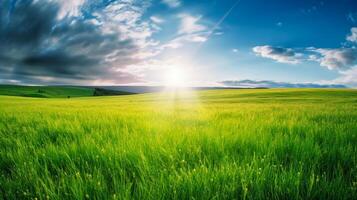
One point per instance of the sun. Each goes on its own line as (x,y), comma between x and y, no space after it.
(176,77)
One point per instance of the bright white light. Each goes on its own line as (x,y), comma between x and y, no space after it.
(176,77)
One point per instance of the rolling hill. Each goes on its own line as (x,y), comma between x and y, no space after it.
(57,91)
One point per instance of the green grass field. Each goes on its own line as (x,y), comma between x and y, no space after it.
(218,144)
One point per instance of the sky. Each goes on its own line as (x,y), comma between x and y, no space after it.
(293,43)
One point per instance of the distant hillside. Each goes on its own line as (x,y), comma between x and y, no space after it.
(56,91)
(106,92)
(150,89)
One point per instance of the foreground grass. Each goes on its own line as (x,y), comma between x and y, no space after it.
(227,144)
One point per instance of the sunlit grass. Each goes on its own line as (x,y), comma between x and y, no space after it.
(227,144)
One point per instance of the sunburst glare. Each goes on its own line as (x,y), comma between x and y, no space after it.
(176,77)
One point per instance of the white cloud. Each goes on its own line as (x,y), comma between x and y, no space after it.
(181,40)
(190,24)
(348,77)
(70,8)
(196,38)
(343,59)
(279,54)
(332,59)
(340,59)
(126,17)
(353,36)
(157,19)
(172,3)
(313,58)
(235,50)
(173,44)
(190,30)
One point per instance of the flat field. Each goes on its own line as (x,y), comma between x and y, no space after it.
(217,144)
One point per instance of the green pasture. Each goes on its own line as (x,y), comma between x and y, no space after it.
(216,144)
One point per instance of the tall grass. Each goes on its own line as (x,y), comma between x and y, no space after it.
(227,144)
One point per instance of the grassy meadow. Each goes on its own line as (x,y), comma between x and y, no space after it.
(216,144)
(45,91)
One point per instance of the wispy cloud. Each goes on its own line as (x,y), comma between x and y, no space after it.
(348,77)
(69,8)
(221,20)
(353,36)
(183,39)
(172,3)
(352,17)
(190,30)
(190,24)
(157,19)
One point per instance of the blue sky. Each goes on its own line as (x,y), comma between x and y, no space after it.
(207,42)
(277,23)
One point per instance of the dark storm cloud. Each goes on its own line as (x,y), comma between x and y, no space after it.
(274,84)
(38,47)
(24,23)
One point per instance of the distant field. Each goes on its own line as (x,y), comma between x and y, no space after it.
(45,91)
(56,91)
(218,144)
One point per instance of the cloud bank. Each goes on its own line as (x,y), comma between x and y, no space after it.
(335,59)
(348,77)
(343,59)
(56,42)
(275,84)
(172,3)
